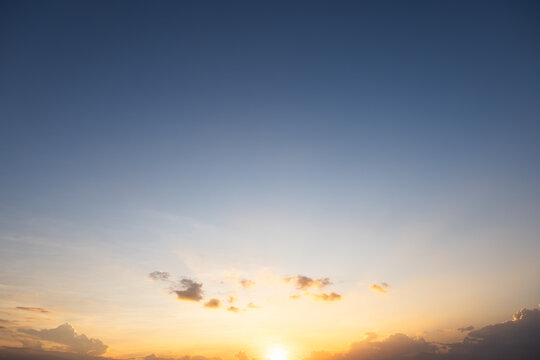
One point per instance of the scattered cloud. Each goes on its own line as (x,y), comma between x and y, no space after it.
(34,309)
(304,282)
(66,335)
(187,289)
(382,288)
(246,284)
(252,306)
(212,303)
(233,309)
(159,275)
(231,299)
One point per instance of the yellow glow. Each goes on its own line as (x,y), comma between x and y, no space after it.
(277,352)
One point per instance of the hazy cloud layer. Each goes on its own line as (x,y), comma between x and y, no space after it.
(465,329)
(187,289)
(66,335)
(34,309)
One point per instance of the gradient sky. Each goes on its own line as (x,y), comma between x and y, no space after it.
(367,142)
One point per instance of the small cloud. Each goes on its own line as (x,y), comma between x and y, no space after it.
(295,297)
(252,306)
(34,309)
(233,309)
(465,329)
(379,288)
(159,275)
(212,303)
(188,290)
(246,284)
(304,282)
(231,299)
(333,296)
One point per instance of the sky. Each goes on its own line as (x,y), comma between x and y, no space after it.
(272,180)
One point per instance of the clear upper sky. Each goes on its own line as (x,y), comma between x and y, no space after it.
(367,142)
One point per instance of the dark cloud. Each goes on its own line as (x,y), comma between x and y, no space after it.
(246,284)
(517,339)
(34,309)
(159,275)
(382,288)
(66,335)
(212,303)
(465,329)
(303,282)
(187,289)
(39,354)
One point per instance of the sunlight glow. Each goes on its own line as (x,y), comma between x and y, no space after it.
(277,352)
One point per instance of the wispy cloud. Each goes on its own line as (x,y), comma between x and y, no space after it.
(34,309)
(246,283)
(304,282)
(159,275)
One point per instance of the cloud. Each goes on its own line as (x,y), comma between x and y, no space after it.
(246,284)
(303,282)
(252,306)
(159,275)
(379,288)
(66,335)
(233,309)
(465,329)
(332,296)
(189,290)
(34,309)
(212,303)
(231,299)
(515,339)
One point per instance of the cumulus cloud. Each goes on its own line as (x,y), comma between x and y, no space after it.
(159,275)
(212,303)
(34,309)
(66,335)
(515,339)
(187,289)
(304,282)
(246,284)
(382,288)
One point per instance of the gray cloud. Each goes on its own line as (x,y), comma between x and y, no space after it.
(66,335)
(187,289)
(159,275)
(304,282)
(34,309)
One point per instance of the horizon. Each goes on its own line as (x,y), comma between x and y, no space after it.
(269,180)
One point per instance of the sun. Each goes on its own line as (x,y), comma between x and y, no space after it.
(276,352)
